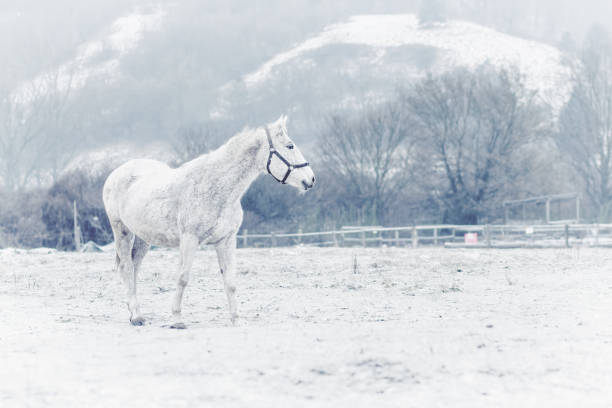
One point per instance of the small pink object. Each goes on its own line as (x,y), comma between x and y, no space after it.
(471,237)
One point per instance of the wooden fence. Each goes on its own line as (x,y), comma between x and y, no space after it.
(450,236)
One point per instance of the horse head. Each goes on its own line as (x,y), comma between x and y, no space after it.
(285,161)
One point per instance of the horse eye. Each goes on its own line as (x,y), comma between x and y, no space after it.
(290,146)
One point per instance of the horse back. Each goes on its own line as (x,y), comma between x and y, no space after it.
(142,174)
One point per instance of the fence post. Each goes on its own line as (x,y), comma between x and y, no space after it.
(567,236)
(245,234)
(435,236)
(335,238)
(299,240)
(415,237)
(77,230)
(396,238)
(488,235)
(273,237)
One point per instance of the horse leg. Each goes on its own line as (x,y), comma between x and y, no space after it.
(124,242)
(226,253)
(139,250)
(188,246)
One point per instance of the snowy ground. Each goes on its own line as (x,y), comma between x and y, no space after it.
(411,328)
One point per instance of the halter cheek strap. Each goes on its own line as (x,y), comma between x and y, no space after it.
(274,152)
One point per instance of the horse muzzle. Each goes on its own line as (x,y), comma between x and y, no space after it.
(307,186)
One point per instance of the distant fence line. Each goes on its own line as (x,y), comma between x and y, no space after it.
(450,236)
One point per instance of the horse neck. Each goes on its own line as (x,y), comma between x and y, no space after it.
(234,166)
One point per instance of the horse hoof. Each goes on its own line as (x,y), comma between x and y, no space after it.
(139,321)
(178,326)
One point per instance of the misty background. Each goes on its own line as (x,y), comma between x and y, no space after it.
(410,112)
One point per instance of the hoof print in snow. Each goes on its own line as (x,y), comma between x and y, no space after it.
(178,326)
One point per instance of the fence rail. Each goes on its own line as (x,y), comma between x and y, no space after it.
(451,236)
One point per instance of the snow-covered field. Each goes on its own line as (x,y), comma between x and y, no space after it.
(396,328)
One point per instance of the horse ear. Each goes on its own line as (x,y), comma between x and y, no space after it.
(282,120)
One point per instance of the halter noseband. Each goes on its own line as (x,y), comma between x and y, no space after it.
(274,152)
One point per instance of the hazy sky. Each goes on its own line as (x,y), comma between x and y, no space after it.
(67,20)
(576,16)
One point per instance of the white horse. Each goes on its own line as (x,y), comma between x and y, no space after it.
(149,203)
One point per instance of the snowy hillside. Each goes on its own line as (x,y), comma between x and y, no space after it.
(99,57)
(371,54)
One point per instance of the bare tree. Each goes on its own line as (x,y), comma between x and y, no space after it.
(35,131)
(475,125)
(364,158)
(585,125)
(192,141)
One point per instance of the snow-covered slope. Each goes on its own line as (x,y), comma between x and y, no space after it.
(368,53)
(94,58)
(466,43)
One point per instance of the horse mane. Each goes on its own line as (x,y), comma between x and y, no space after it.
(235,143)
